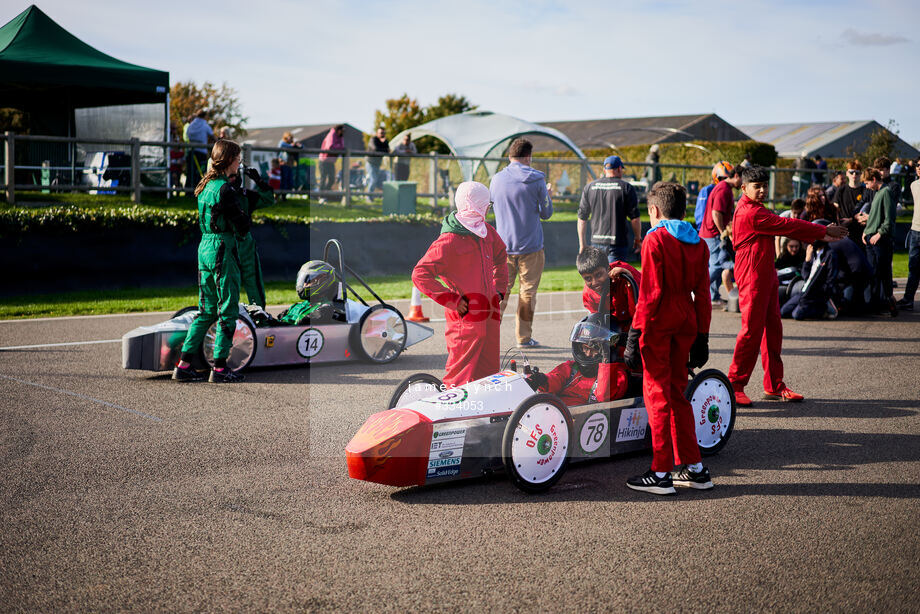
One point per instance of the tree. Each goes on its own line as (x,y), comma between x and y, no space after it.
(881,144)
(222,104)
(405,113)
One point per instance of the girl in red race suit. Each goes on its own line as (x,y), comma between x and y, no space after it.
(754,230)
(469,258)
(671,332)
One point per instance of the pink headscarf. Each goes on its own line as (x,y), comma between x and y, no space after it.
(473,202)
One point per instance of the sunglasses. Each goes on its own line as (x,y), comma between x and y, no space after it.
(852,172)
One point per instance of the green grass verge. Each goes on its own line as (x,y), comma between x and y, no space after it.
(133,300)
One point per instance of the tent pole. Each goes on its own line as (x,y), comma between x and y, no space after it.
(166,157)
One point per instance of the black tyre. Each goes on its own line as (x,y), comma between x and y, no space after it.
(713,402)
(537,443)
(185,310)
(380,335)
(243,350)
(416,386)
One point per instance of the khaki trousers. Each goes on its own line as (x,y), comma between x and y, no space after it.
(530,269)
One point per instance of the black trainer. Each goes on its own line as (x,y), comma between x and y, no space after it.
(225,377)
(905,304)
(187,374)
(685,477)
(649,482)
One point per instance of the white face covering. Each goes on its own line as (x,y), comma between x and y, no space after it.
(473,202)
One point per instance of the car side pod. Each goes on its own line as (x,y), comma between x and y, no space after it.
(391,448)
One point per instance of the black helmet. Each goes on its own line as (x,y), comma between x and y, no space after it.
(316,281)
(591,335)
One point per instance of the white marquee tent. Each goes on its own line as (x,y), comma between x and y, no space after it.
(482,134)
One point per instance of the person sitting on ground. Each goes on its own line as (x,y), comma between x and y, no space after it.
(597,373)
(813,299)
(854,277)
(317,287)
(792,254)
(608,279)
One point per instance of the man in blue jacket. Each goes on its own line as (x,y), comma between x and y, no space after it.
(520,198)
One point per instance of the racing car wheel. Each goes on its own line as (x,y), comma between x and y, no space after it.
(380,336)
(535,447)
(416,386)
(185,310)
(243,349)
(713,402)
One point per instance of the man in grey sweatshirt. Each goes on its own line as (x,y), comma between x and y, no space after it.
(520,197)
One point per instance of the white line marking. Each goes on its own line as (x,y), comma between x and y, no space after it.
(55,345)
(104,315)
(81,396)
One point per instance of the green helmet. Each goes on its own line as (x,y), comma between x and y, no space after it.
(316,281)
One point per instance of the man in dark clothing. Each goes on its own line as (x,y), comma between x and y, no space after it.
(849,200)
(854,273)
(607,202)
(820,275)
(380,146)
(821,165)
(839,179)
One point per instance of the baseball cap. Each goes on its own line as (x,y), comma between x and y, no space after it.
(613,162)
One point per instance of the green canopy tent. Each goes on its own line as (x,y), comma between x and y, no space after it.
(48,72)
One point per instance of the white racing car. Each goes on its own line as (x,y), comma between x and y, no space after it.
(355,331)
(431,435)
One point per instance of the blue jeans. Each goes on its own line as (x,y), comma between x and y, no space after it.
(623,254)
(373,177)
(913,264)
(719,260)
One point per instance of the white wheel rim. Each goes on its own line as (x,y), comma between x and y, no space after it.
(383,334)
(240,351)
(541,443)
(415,392)
(712,411)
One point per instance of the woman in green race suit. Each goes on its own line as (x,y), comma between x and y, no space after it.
(221,219)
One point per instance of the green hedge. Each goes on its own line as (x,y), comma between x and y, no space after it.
(72,219)
(678,153)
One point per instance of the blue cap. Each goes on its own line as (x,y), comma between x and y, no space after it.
(613,162)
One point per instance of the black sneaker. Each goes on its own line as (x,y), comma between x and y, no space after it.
(905,304)
(649,482)
(187,374)
(685,477)
(225,377)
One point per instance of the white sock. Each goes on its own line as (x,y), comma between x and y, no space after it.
(695,467)
(661,474)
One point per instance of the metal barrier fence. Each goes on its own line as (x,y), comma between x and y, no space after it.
(64,164)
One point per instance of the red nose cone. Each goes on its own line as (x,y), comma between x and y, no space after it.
(391,448)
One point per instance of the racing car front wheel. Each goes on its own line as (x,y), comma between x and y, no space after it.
(416,386)
(535,447)
(243,349)
(380,336)
(713,402)
(185,310)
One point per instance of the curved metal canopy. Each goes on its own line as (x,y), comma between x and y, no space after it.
(481,134)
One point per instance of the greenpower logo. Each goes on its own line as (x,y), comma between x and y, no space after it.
(544,445)
(713,413)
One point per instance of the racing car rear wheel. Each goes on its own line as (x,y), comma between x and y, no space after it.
(535,447)
(380,336)
(416,386)
(243,349)
(713,402)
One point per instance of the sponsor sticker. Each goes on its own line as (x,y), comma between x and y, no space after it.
(310,343)
(594,432)
(633,424)
(446,451)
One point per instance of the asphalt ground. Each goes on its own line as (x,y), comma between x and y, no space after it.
(127,491)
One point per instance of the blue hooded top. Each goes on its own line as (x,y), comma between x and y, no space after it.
(520,201)
(680,230)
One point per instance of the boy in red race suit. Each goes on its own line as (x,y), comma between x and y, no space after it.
(671,332)
(754,229)
(469,258)
(596,374)
(608,279)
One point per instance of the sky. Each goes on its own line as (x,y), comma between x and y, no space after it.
(309,62)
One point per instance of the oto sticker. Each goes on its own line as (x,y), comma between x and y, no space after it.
(310,343)
(446,452)
(633,424)
(594,432)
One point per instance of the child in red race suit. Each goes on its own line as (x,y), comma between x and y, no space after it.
(754,229)
(596,374)
(671,332)
(469,257)
(608,279)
